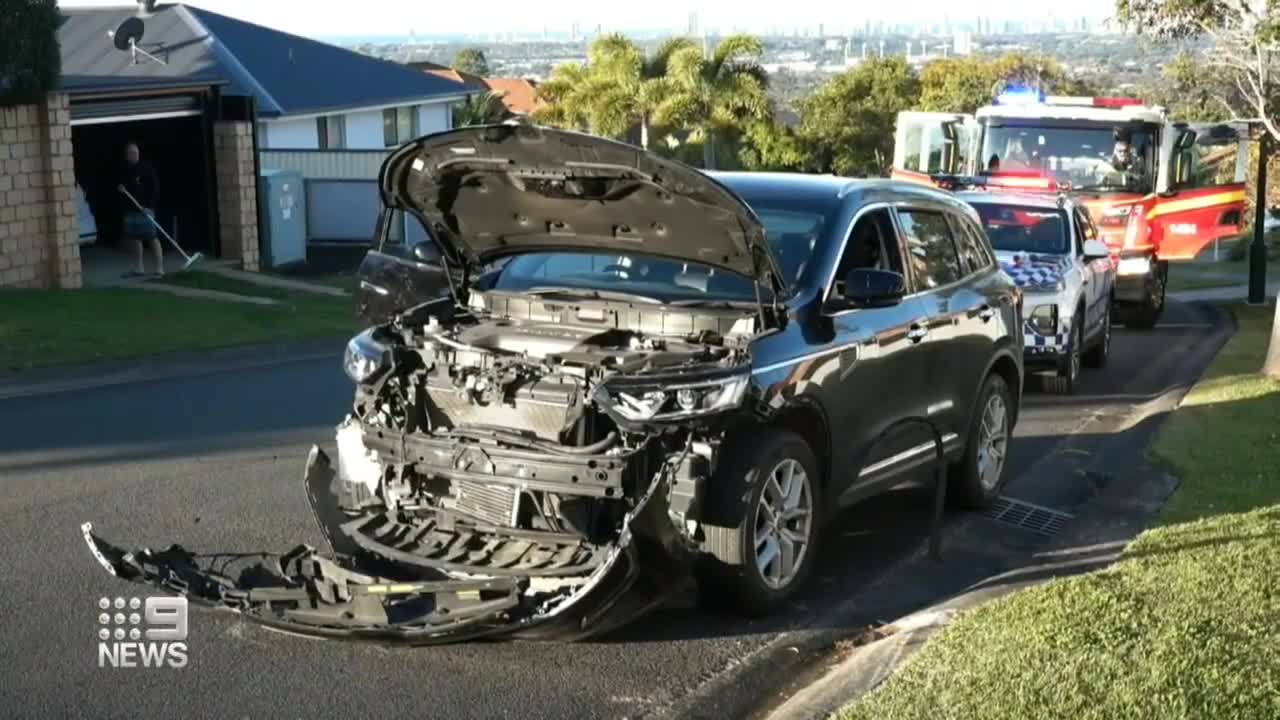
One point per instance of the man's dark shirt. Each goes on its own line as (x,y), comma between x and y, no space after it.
(141,182)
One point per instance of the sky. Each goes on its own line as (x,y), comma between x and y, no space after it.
(329,18)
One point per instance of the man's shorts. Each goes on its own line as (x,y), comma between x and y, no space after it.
(138,226)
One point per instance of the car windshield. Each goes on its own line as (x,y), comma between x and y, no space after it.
(792,237)
(1094,156)
(1020,228)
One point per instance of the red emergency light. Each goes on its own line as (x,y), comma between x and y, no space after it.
(1098,102)
(1116,102)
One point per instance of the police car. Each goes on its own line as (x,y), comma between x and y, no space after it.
(1051,249)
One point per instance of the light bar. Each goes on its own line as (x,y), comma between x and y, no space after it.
(1020,96)
(1116,102)
(1086,101)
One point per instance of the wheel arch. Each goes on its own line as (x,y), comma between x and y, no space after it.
(807,419)
(1005,365)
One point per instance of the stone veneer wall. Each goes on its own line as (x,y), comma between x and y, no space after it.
(237,192)
(39,233)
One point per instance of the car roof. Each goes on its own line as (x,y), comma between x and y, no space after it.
(1037,200)
(836,188)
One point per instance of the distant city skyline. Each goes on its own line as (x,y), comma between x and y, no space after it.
(397,18)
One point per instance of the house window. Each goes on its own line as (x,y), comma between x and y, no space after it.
(332,132)
(399,125)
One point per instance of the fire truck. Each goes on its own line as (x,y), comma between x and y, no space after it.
(1156,190)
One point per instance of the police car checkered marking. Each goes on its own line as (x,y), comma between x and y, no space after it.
(1036,270)
(1031,338)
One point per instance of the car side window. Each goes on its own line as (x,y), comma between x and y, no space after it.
(873,244)
(931,248)
(970,244)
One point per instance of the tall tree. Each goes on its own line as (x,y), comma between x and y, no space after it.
(471,60)
(479,109)
(849,121)
(1244,51)
(716,93)
(567,96)
(965,84)
(628,85)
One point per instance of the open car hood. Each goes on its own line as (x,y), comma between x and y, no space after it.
(493,190)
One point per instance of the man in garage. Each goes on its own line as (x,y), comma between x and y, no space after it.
(140,183)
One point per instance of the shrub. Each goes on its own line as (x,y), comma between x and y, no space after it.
(30,60)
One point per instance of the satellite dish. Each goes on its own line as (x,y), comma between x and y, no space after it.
(126,38)
(128,34)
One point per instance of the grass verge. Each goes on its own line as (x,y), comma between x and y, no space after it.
(1183,626)
(1198,276)
(42,328)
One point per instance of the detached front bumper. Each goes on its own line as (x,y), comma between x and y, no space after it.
(417,579)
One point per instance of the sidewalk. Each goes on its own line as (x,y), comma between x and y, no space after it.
(1235,292)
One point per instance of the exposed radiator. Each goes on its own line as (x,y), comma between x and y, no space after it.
(496,504)
(541,408)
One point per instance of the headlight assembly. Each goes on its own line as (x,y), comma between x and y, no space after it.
(1134,266)
(641,400)
(364,357)
(1044,318)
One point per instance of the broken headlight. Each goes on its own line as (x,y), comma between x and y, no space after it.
(644,400)
(364,357)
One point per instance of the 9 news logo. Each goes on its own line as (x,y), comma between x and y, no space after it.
(156,637)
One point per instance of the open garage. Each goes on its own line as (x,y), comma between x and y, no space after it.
(174,132)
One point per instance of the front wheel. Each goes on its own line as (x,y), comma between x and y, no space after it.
(1099,354)
(762,521)
(977,479)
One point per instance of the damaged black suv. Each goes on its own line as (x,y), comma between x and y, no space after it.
(593,376)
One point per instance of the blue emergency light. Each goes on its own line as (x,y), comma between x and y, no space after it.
(1020,96)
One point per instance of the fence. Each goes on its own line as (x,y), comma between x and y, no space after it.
(341,193)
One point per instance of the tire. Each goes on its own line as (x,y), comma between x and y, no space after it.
(1098,355)
(1146,315)
(1068,376)
(729,574)
(969,485)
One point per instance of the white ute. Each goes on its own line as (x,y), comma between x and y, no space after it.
(1051,249)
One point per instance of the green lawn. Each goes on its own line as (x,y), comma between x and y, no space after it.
(1185,625)
(40,328)
(1196,276)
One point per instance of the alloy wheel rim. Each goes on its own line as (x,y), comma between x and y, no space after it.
(783,524)
(992,441)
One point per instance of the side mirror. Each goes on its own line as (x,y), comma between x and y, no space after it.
(428,254)
(1095,250)
(865,287)
(1186,138)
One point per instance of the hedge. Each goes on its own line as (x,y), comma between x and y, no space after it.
(30,60)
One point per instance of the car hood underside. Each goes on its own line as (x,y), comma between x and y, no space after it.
(390,579)
(488,191)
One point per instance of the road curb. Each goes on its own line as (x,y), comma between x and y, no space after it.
(53,381)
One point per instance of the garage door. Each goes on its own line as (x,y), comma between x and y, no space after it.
(87,112)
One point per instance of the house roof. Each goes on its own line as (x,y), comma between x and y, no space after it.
(519,95)
(288,74)
(473,82)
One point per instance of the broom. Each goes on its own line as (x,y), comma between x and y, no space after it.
(191,259)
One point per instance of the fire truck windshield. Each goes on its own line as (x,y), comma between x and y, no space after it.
(1092,156)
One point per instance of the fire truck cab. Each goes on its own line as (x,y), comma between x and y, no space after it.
(1157,190)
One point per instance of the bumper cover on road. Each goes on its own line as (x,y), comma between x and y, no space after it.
(368,589)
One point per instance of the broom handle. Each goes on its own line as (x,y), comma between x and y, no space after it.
(153,222)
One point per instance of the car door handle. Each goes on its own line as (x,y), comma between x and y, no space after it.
(986,312)
(916,332)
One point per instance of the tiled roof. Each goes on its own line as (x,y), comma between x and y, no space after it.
(518,94)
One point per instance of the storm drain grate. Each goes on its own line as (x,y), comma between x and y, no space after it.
(1027,516)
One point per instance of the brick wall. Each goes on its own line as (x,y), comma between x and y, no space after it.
(237,192)
(39,234)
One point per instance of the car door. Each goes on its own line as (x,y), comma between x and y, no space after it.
(959,315)
(874,379)
(403,268)
(1202,189)
(1094,274)
(932,143)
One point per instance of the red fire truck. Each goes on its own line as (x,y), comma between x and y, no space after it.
(1156,190)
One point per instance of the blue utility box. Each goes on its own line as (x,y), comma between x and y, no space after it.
(283,236)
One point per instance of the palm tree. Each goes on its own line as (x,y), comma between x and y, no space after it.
(567,98)
(717,93)
(628,85)
(479,110)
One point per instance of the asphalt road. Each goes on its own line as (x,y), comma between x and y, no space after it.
(215,463)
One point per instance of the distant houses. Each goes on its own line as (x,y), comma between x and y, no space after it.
(518,95)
